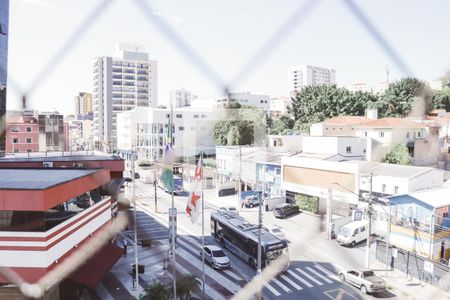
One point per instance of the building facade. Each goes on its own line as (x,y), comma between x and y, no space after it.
(180,97)
(279,105)
(304,75)
(146,128)
(248,99)
(83,104)
(4,33)
(22,134)
(53,132)
(121,84)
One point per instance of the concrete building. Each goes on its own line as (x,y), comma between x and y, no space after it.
(360,87)
(338,126)
(4,33)
(147,129)
(22,134)
(335,148)
(120,84)
(53,132)
(181,97)
(259,101)
(304,75)
(288,143)
(279,105)
(83,105)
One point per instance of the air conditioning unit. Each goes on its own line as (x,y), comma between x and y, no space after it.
(77,165)
(47,164)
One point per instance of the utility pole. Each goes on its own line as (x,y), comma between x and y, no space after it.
(328,216)
(369,216)
(155,183)
(258,272)
(133,195)
(239,186)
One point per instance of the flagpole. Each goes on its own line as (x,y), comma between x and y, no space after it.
(170,127)
(203,227)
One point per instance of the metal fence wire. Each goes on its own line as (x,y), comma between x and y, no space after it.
(247,70)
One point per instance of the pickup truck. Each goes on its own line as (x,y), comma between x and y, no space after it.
(367,281)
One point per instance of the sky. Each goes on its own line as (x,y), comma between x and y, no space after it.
(50,67)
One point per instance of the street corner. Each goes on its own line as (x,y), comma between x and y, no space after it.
(340,294)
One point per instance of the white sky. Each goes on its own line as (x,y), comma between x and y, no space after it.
(225,34)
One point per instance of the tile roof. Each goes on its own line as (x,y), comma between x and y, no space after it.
(391,123)
(391,170)
(434,197)
(39,179)
(346,120)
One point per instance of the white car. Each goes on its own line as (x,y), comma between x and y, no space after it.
(229,210)
(276,231)
(365,280)
(215,257)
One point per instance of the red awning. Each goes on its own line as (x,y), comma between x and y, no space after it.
(97,266)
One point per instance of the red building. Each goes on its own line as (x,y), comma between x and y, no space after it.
(46,213)
(22,134)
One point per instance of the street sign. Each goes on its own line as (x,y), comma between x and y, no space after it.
(428,266)
(357,215)
(172,224)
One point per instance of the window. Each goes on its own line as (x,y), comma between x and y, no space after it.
(168,115)
(418,134)
(29,150)
(28,129)
(179,116)
(381,134)
(180,128)
(29,141)
(383,188)
(349,149)
(16,150)
(15,141)
(395,189)
(362,229)
(203,116)
(365,133)
(195,116)
(278,171)
(14,129)
(407,135)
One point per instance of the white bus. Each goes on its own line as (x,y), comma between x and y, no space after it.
(240,237)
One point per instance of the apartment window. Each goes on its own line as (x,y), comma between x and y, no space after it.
(179,116)
(383,188)
(14,129)
(381,134)
(203,116)
(195,116)
(15,140)
(261,101)
(181,128)
(418,134)
(349,149)
(395,190)
(29,141)
(168,116)
(28,129)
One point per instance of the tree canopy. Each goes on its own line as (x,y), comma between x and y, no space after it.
(441,99)
(398,155)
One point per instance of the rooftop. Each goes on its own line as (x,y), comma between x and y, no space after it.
(391,123)
(434,197)
(39,179)
(346,120)
(391,170)
(58,156)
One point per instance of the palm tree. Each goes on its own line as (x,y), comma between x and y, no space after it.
(156,291)
(185,284)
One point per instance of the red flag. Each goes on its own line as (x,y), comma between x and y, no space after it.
(193,205)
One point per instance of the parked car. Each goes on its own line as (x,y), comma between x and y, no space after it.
(230,210)
(251,201)
(352,233)
(367,281)
(215,257)
(285,209)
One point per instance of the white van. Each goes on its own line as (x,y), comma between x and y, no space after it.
(353,233)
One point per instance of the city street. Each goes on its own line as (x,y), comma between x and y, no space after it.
(309,276)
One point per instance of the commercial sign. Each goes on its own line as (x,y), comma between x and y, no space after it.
(172,224)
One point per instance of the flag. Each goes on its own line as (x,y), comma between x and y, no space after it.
(167,173)
(193,205)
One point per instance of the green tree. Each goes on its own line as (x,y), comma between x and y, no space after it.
(403,97)
(156,291)
(441,99)
(185,284)
(280,124)
(316,103)
(398,155)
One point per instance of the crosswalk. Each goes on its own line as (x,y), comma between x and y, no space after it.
(298,278)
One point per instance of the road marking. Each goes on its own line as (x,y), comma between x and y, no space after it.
(288,280)
(319,275)
(281,285)
(299,278)
(329,273)
(232,274)
(309,276)
(272,289)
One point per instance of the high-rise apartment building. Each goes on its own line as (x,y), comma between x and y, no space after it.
(4,24)
(83,104)
(180,97)
(304,75)
(120,84)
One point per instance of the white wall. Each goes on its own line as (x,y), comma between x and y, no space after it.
(334,145)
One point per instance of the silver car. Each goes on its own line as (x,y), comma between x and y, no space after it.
(230,210)
(215,257)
